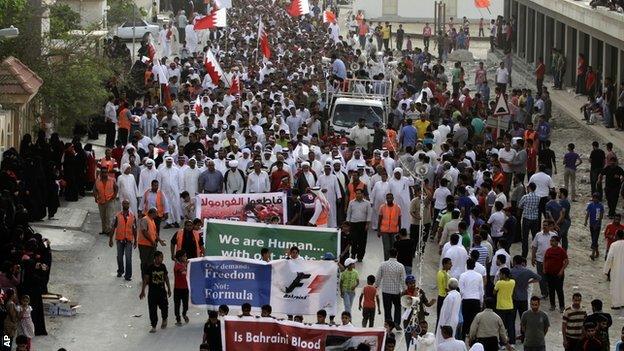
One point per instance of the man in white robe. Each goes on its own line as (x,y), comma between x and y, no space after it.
(128,188)
(168,181)
(400,188)
(614,265)
(148,174)
(378,198)
(449,313)
(328,183)
(189,177)
(191,38)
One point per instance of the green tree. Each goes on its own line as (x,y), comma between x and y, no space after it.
(62,20)
(73,68)
(121,11)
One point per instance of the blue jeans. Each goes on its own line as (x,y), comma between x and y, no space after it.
(348,297)
(124,248)
(594,230)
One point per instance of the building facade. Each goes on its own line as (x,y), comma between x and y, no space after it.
(417,10)
(572,27)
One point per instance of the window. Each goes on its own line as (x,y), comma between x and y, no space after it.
(348,115)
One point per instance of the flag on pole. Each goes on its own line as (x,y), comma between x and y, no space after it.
(298,8)
(263,41)
(198,106)
(213,68)
(481,4)
(329,17)
(235,86)
(216,18)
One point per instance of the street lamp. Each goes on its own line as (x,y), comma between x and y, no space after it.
(10,32)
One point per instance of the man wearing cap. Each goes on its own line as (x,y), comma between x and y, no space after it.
(306,178)
(328,182)
(168,179)
(258,180)
(234,180)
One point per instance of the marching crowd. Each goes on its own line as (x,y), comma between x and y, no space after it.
(435,174)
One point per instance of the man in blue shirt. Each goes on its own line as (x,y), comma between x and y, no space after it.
(408,135)
(594,213)
(339,70)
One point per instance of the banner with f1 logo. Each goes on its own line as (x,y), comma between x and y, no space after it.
(295,287)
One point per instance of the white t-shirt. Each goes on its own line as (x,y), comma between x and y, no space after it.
(497,221)
(502,75)
(439,195)
(507,156)
(541,242)
(543,183)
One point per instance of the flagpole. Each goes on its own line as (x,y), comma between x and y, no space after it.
(258,41)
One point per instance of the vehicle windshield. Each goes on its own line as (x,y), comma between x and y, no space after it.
(348,115)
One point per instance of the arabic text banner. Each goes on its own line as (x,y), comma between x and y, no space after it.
(267,334)
(245,240)
(289,286)
(242,207)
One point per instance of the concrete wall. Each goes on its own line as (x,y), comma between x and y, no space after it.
(371,8)
(416,9)
(91,11)
(424,9)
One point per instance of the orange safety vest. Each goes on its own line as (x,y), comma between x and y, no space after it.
(180,238)
(125,225)
(149,240)
(352,190)
(106,192)
(160,203)
(123,122)
(389,218)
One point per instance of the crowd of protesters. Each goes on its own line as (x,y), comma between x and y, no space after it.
(263,126)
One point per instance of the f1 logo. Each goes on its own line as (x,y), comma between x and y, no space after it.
(297,282)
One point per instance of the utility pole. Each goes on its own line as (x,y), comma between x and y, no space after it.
(133,33)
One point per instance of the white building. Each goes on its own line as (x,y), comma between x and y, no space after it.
(415,10)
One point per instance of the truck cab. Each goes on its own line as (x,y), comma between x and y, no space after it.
(358,98)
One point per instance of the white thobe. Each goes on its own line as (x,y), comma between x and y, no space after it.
(168,183)
(377,198)
(449,313)
(189,177)
(145,180)
(615,264)
(388,163)
(128,190)
(330,183)
(353,164)
(191,38)
(400,188)
(165,43)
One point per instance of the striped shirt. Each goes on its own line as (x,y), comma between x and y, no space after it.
(574,319)
(529,203)
(391,277)
(483,253)
(149,126)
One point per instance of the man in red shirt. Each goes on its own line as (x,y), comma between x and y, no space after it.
(555,263)
(611,231)
(540,70)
